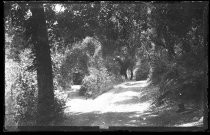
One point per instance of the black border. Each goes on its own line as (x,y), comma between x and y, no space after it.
(205,128)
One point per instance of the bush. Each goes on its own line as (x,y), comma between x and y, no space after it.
(58,114)
(78,59)
(96,83)
(111,65)
(185,82)
(11,73)
(26,104)
(22,86)
(75,62)
(159,67)
(22,94)
(26,101)
(142,71)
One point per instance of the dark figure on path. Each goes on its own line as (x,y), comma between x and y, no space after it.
(125,64)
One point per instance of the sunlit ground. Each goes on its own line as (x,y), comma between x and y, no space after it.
(120,106)
(127,104)
(110,101)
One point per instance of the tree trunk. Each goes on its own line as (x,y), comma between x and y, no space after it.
(44,66)
(131,74)
(125,74)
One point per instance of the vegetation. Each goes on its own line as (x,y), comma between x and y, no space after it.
(95,45)
(179,69)
(142,72)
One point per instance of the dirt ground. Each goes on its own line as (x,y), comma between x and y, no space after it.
(127,104)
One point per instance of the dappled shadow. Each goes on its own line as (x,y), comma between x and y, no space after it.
(120,90)
(75,95)
(133,100)
(117,107)
(162,117)
(120,119)
(168,118)
(72,94)
(104,119)
(129,106)
(144,98)
(132,84)
(135,83)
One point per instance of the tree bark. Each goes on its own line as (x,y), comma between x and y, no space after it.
(125,74)
(131,78)
(45,105)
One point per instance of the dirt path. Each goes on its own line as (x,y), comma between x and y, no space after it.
(127,104)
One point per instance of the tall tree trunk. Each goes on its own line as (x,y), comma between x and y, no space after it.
(44,65)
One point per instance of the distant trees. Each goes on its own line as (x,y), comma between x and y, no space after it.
(115,25)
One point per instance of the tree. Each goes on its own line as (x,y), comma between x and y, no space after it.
(44,64)
(31,32)
(179,33)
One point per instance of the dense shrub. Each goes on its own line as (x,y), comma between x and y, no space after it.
(97,79)
(111,65)
(97,82)
(22,87)
(57,60)
(26,101)
(75,61)
(59,106)
(159,67)
(12,70)
(186,81)
(142,71)
(21,93)
(184,78)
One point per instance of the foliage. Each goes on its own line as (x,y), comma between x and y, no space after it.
(26,102)
(98,79)
(21,89)
(22,94)
(159,67)
(170,37)
(115,25)
(97,82)
(142,71)
(79,58)
(182,72)
(75,62)
(59,106)
(111,65)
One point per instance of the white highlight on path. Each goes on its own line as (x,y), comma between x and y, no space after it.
(75,87)
(109,102)
(132,84)
(192,124)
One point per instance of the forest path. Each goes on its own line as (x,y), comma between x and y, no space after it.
(127,104)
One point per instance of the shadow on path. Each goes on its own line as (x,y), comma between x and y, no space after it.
(127,104)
